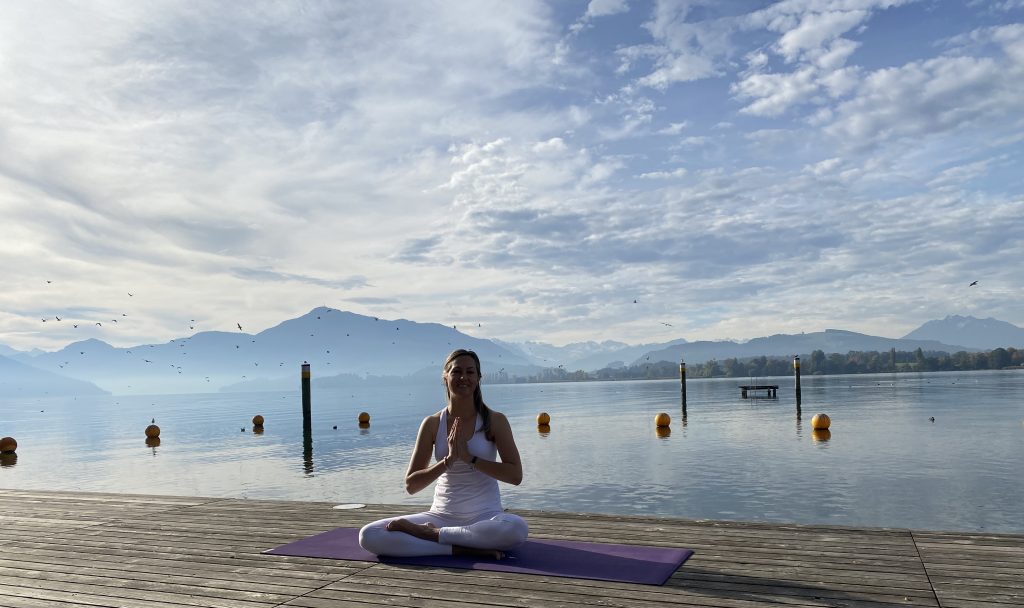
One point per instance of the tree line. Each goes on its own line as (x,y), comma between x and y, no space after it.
(818,362)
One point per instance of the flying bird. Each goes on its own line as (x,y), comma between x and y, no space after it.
(58,318)
(98,323)
(239,326)
(131,295)
(973,284)
(667,324)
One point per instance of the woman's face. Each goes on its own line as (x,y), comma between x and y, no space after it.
(462,376)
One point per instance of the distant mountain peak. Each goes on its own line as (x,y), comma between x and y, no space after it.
(987,334)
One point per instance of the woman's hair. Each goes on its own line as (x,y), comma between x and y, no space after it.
(478,397)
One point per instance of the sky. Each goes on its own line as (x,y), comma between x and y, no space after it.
(548,171)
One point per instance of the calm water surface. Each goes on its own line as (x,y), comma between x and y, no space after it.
(885,464)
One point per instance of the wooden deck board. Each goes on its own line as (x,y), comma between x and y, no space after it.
(76,550)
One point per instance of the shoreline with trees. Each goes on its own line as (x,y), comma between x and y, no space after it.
(815,363)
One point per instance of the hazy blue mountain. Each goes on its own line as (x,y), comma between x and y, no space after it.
(344,348)
(332,341)
(20,380)
(584,355)
(7,351)
(785,345)
(985,334)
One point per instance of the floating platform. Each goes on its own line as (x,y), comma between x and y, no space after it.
(771,390)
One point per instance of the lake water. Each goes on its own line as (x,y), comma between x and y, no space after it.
(885,464)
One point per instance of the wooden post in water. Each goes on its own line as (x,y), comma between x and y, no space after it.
(796,370)
(682,384)
(307,422)
(306,401)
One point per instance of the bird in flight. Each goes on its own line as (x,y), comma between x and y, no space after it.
(973,283)
(239,326)
(98,323)
(667,324)
(131,295)
(58,318)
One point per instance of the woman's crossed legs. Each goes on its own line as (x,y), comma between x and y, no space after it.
(435,534)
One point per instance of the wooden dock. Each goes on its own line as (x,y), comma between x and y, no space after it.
(72,550)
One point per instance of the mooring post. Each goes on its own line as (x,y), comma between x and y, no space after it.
(307,422)
(796,370)
(682,385)
(306,401)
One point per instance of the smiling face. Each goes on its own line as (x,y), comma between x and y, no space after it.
(461,376)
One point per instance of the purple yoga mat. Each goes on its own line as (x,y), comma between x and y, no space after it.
(599,561)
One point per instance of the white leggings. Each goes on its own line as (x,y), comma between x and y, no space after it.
(499,531)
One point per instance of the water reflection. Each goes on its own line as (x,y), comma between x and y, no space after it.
(821,435)
(307,447)
(8,460)
(663,432)
(543,430)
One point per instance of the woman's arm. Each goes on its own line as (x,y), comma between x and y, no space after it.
(421,473)
(510,468)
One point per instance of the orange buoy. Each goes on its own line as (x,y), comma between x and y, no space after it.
(257,420)
(8,445)
(364,418)
(821,421)
(662,419)
(152,431)
(543,418)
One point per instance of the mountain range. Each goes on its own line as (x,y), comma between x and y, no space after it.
(344,347)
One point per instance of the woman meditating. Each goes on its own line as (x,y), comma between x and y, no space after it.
(466,438)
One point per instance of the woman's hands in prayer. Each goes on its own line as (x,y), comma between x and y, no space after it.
(458,440)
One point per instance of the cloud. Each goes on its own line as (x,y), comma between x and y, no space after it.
(675,173)
(816,29)
(266,274)
(604,8)
(929,98)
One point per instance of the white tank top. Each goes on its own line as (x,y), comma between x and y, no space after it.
(461,490)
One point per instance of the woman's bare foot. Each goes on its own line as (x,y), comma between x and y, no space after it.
(484,553)
(427,531)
